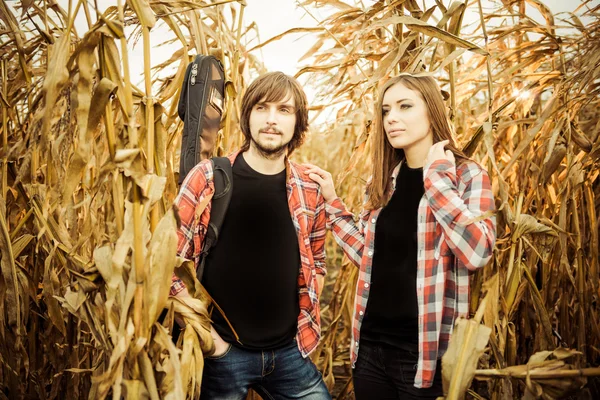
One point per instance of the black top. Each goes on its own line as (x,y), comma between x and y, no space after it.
(391,316)
(252,273)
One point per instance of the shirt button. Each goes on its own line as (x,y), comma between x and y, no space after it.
(373,220)
(356,343)
(366,285)
(360,313)
(370,253)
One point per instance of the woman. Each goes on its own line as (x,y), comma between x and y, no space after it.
(427,222)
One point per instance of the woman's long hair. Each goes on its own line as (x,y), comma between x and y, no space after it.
(385,157)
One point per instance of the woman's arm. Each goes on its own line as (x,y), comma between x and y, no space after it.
(317,242)
(347,233)
(468,221)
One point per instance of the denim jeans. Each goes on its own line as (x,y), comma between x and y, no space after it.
(274,374)
(386,372)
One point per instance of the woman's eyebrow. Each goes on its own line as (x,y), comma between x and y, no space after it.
(399,101)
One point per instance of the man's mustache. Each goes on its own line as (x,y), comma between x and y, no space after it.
(270,129)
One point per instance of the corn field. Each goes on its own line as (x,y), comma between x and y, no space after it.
(89,174)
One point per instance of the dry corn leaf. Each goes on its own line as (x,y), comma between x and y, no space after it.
(281,35)
(20,244)
(195,315)
(72,301)
(148,376)
(9,274)
(50,290)
(160,261)
(55,80)
(423,27)
(503,99)
(190,341)
(173,364)
(102,94)
(459,363)
(491,288)
(135,389)
(144,12)
(528,224)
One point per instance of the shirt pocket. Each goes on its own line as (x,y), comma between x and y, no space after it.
(309,218)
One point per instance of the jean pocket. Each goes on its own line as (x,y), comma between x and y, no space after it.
(414,354)
(365,354)
(220,356)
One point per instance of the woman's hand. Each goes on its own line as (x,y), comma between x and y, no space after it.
(437,152)
(324,179)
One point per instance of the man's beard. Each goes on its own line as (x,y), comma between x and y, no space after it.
(273,152)
(270,153)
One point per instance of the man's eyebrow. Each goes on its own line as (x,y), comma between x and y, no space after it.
(277,103)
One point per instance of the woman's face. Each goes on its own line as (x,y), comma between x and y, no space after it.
(405,119)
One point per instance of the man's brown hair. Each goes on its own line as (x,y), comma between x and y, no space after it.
(274,87)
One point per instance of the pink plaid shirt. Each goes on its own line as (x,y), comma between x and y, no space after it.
(307,208)
(455,236)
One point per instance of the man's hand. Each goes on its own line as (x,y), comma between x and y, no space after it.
(178,320)
(324,179)
(221,346)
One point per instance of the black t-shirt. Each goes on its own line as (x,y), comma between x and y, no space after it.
(252,273)
(391,316)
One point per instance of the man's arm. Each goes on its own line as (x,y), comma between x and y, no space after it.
(191,202)
(190,196)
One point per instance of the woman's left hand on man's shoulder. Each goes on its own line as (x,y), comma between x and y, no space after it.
(324,179)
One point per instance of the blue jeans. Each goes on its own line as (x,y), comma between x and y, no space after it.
(386,372)
(273,374)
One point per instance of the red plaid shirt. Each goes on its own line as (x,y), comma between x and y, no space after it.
(455,235)
(307,208)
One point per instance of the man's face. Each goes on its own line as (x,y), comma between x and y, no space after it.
(272,126)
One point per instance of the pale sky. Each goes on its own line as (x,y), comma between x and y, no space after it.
(272,18)
(276,16)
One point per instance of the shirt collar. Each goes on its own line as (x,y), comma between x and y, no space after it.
(395,174)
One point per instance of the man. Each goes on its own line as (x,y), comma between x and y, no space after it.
(267,268)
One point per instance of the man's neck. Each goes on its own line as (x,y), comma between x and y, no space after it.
(266,166)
